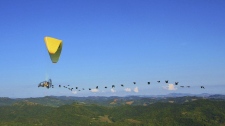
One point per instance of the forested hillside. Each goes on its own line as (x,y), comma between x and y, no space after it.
(196,113)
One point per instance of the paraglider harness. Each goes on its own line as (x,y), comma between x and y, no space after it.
(46,84)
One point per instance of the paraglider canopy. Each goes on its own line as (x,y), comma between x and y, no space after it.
(54,47)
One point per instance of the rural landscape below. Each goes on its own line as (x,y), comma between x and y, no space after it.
(174,109)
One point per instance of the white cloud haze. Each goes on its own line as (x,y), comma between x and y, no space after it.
(74,92)
(136,89)
(113,90)
(127,89)
(170,87)
(94,90)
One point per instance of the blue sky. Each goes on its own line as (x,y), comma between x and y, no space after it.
(108,42)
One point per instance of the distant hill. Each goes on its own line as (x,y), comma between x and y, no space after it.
(56,101)
(199,112)
(217,96)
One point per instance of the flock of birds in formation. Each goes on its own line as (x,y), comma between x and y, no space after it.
(48,84)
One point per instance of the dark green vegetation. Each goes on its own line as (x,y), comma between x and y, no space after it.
(112,111)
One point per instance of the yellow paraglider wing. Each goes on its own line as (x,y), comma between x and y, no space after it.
(54,47)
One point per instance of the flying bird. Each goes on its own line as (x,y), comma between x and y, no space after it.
(166,81)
